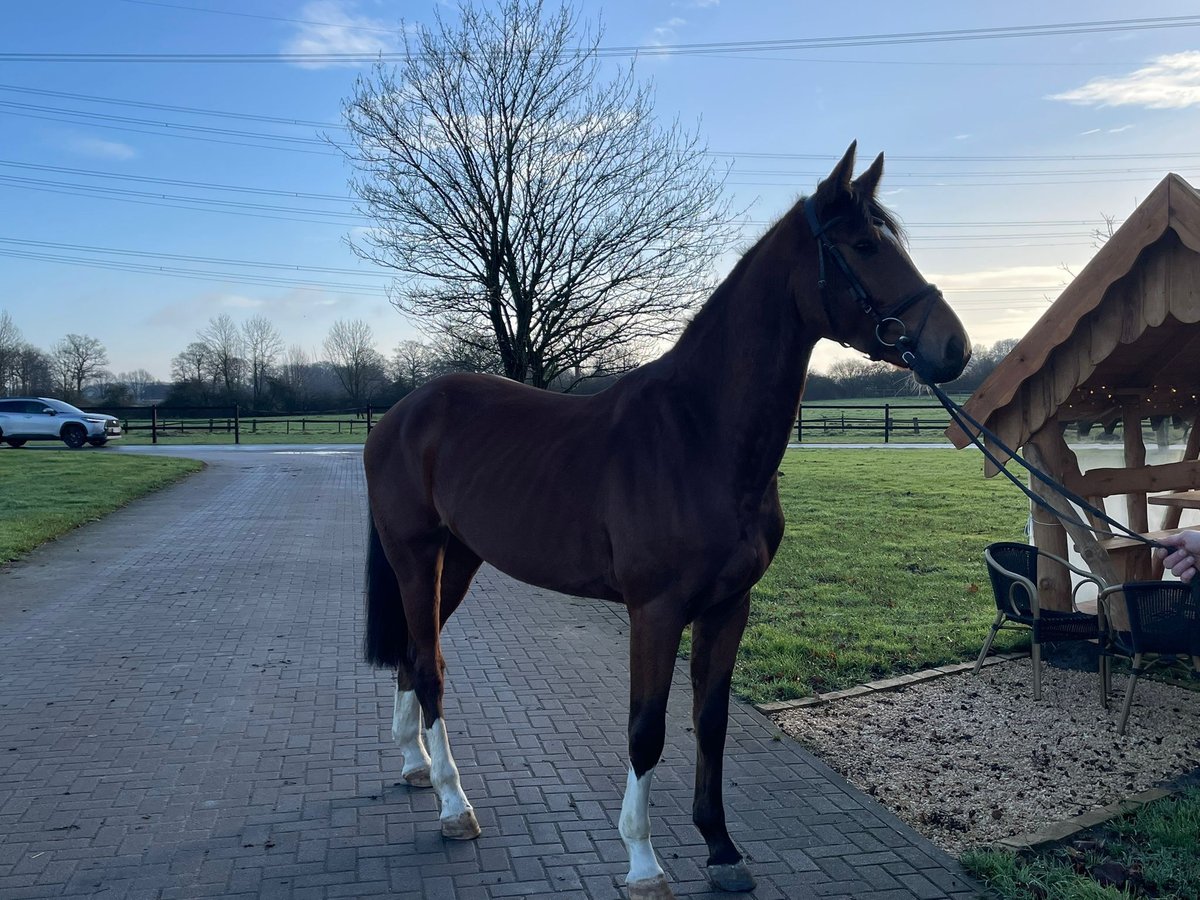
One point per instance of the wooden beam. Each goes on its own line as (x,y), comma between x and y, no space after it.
(1180,476)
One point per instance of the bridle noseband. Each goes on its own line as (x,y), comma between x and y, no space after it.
(886,320)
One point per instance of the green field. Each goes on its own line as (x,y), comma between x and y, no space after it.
(46,494)
(880,571)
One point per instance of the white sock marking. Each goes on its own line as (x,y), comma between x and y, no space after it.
(444,773)
(406,731)
(635,828)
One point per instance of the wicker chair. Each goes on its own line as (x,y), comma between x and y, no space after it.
(1012,568)
(1164,626)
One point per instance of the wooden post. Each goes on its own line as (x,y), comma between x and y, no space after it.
(1054,582)
(1140,563)
(1094,556)
(887,421)
(237,424)
(154,423)
(370,424)
(800,424)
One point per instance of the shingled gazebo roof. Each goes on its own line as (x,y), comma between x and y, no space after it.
(1125,332)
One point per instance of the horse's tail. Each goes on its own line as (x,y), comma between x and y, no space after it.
(386,640)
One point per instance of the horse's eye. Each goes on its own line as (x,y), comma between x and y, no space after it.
(865,248)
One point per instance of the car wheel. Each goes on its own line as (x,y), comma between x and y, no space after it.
(74,436)
(15,442)
(98,442)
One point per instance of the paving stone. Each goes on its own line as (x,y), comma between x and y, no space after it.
(198,724)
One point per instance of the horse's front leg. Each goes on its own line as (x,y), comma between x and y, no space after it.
(654,635)
(716,634)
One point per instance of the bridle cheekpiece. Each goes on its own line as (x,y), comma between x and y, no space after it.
(887,321)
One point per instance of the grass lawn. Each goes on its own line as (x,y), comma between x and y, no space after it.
(46,494)
(1151,853)
(880,572)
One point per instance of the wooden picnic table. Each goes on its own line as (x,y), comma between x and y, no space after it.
(1181,499)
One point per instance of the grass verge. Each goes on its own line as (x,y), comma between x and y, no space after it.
(880,572)
(46,494)
(1150,853)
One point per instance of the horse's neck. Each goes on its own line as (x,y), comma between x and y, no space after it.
(746,355)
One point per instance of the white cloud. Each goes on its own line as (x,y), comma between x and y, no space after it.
(1169,82)
(1090,131)
(668,29)
(90,146)
(1011,277)
(333,28)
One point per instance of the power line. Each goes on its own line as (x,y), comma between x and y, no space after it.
(191,110)
(694,49)
(206,185)
(179,257)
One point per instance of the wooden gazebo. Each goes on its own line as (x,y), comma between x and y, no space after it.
(1119,346)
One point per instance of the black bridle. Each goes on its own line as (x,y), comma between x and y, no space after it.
(888,322)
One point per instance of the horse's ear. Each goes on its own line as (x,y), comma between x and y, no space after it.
(866,183)
(838,183)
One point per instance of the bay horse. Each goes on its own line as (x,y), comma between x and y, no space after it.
(659,492)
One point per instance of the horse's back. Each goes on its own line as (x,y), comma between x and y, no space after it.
(513,472)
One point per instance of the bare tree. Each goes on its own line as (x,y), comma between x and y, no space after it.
(295,375)
(223,339)
(32,372)
(263,346)
(192,372)
(78,359)
(10,351)
(137,381)
(412,364)
(359,367)
(516,194)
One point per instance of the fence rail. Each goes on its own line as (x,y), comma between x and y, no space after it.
(908,421)
(823,421)
(162,422)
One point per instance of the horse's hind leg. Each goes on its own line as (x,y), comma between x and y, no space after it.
(406,731)
(716,634)
(459,566)
(418,563)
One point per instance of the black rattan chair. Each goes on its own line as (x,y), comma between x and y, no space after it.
(1012,568)
(1164,627)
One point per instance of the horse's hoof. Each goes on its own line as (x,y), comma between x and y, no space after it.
(418,778)
(655,888)
(463,827)
(732,877)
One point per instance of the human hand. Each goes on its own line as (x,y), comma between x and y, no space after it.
(1182,559)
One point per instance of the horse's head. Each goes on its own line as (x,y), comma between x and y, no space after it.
(872,295)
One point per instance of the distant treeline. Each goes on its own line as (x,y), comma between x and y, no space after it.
(848,379)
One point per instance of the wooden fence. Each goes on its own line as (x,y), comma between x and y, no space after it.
(921,422)
(819,422)
(181,422)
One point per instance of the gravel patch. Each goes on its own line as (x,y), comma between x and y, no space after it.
(968,760)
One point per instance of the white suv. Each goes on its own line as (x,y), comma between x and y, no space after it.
(42,419)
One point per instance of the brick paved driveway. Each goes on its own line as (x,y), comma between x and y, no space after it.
(183,714)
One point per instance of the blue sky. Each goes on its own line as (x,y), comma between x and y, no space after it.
(1004,153)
